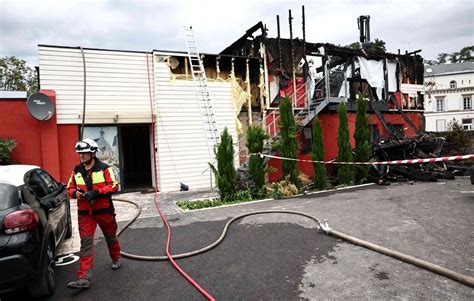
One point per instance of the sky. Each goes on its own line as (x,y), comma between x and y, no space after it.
(434,26)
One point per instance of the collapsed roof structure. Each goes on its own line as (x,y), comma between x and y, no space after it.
(318,76)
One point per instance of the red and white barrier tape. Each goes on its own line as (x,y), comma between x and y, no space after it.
(410,161)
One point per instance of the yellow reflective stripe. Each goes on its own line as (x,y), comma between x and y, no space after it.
(70,180)
(112,176)
(98,177)
(79,179)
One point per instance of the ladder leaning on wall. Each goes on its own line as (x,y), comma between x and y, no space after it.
(202,93)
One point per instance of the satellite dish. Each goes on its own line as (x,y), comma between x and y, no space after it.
(40,106)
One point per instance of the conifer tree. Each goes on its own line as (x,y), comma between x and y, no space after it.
(344,172)
(225,172)
(257,165)
(320,177)
(362,142)
(288,144)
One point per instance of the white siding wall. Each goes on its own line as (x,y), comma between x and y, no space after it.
(117,84)
(182,148)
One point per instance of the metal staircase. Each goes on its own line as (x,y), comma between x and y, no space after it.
(202,92)
(303,115)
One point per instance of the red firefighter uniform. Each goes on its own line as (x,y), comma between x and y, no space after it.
(100,179)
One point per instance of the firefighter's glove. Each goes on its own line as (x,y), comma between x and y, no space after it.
(91,195)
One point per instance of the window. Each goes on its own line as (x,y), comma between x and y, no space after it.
(467,124)
(440,104)
(440,125)
(452,84)
(467,103)
(35,184)
(50,184)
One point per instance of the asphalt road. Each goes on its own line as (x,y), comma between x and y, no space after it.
(284,257)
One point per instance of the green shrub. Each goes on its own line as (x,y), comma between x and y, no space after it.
(317,153)
(344,172)
(257,166)
(239,197)
(7,145)
(225,172)
(288,145)
(456,140)
(362,142)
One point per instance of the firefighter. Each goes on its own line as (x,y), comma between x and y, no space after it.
(92,183)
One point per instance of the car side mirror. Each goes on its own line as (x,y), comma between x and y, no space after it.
(61,186)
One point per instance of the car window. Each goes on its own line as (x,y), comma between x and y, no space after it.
(8,196)
(49,183)
(35,183)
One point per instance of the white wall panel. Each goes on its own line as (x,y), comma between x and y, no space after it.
(182,147)
(117,84)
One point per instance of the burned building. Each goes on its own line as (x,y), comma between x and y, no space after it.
(318,76)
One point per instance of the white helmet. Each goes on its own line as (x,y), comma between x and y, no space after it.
(86,146)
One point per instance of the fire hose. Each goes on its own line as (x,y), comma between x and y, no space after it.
(467,280)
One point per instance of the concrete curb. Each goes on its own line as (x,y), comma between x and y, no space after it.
(355,187)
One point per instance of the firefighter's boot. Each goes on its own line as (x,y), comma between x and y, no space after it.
(79,284)
(116,264)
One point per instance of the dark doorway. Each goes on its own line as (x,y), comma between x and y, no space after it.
(136,160)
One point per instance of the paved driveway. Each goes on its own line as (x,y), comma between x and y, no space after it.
(284,257)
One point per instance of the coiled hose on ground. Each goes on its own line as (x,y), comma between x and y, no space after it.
(467,280)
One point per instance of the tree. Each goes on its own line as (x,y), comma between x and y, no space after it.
(355,45)
(456,140)
(344,172)
(317,153)
(225,172)
(257,165)
(7,145)
(442,58)
(463,55)
(466,54)
(378,45)
(288,144)
(362,141)
(16,76)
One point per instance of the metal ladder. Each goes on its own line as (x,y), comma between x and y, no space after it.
(202,92)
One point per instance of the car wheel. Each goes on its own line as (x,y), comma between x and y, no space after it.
(472,175)
(46,283)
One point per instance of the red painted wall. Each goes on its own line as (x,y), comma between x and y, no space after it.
(41,143)
(68,134)
(329,126)
(49,140)
(16,122)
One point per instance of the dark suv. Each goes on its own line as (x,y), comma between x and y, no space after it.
(34,219)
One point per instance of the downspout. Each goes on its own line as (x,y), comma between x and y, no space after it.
(84,101)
